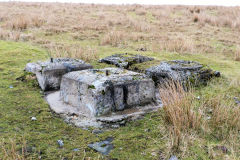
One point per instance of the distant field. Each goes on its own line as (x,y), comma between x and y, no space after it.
(37,31)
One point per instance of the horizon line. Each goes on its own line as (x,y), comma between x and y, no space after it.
(134,2)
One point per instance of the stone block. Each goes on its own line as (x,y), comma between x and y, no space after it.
(49,73)
(125,60)
(181,71)
(97,92)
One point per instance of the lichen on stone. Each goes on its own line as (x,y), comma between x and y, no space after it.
(125,60)
(185,72)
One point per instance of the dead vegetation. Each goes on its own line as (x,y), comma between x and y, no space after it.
(128,26)
(12,152)
(237,54)
(188,119)
(223,117)
(73,51)
(179,45)
(113,38)
(179,112)
(218,16)
(18,23)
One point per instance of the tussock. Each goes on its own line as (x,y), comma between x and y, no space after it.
(114,38)
(179,111)
(237,54)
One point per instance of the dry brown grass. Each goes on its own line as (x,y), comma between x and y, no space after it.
(179,111)
(119,26)
(19,23)
(178,45)
(14,35)
(11,152)
(195,18)
(37,21)
(73,51)
(223,117)
(113,38)
(223,17)
(188,119)
(10,35)
(237,54)
(139,25)
(3,34)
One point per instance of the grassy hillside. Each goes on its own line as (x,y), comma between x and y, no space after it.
(188,128)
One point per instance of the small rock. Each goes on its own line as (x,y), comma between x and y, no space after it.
(173,158)
(142,49)
(154,154)
(28,149)
(33,118)
(217,74)
(237,100)
(60,143)
(147,130)
(103,147)
(122,123)
(85,128)
(210,110)
(222,148)
(208,118)
(75,149)
(97,131)
(115,126)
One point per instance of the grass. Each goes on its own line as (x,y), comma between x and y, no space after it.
(167,33)
(144,139)
(237,54)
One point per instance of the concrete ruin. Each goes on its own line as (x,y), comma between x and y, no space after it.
(125,60)
(110,97)
(49,73)
(185,72)
(104,97)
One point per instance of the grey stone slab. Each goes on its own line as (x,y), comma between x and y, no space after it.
(76,116)
(49,73)
(98,92)
(182,71)
(104,147)
(125,60)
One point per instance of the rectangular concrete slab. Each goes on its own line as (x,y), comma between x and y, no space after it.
(99,92)
(49,73)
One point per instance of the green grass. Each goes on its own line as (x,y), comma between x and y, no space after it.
(143,139)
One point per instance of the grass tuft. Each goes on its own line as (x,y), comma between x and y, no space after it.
(179,111)
(237,54)
(19,23)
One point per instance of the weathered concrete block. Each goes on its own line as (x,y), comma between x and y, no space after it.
(181,71)
(125,60)
(49,73)
(97,92)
